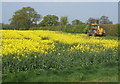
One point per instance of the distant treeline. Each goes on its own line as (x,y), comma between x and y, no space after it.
(28,19)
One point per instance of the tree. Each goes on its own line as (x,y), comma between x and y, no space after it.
(76,22)
(49,20)
(64,20)
(92,21)
(104,20)
(25,17)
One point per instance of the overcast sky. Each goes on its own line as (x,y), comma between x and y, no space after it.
(74,10)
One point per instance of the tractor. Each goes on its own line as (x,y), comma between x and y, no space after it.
(95,30)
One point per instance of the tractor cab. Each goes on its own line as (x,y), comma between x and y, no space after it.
(94,26)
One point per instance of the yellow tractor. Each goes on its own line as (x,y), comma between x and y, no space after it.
(95,30)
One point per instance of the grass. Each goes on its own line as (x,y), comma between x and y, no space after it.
(97,73)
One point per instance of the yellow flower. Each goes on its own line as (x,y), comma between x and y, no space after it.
(26,42)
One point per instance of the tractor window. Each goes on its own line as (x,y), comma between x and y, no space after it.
(94,26)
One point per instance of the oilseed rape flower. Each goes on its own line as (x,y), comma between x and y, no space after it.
(26,50)
(21,42)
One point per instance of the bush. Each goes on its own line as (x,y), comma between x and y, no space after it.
(111,29)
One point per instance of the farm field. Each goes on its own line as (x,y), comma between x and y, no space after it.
(55,56)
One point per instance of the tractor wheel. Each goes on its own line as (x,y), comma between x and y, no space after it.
(94,34)
(88,34)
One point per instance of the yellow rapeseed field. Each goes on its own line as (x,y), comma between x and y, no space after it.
(17,44)
(21,42)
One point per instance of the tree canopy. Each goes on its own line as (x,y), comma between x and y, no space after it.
(92,21)
(64,20)
(25,18)
(49,20)
(76,22)
(101,20)
(104,20)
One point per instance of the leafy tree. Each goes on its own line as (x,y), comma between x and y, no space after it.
(76,22)
(64,20)
(93,21)
(104,20)
(49,20)
(25,17)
